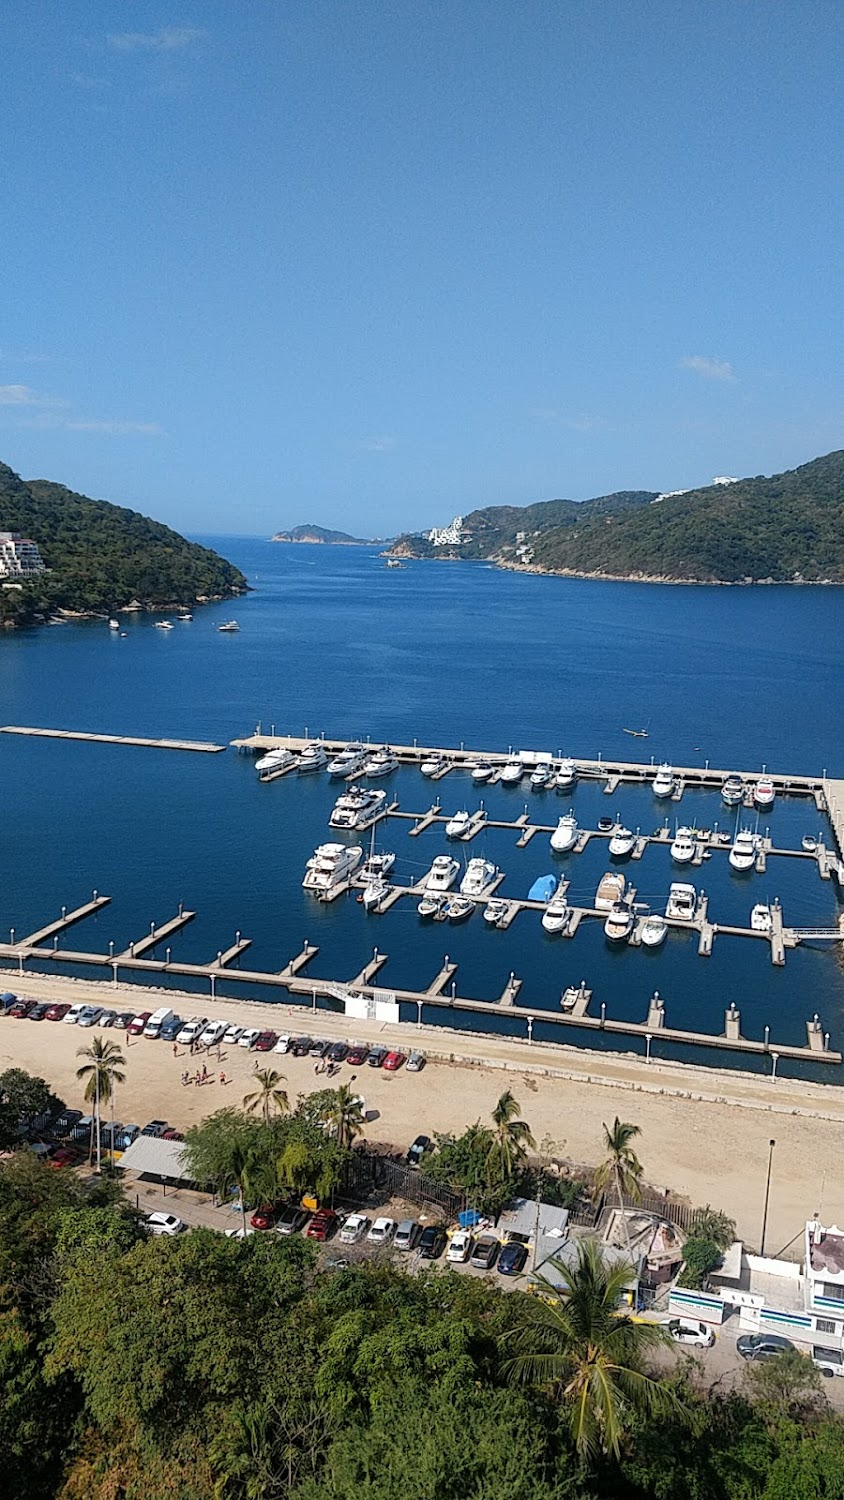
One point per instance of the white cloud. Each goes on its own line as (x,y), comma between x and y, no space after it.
(24,395)
(377,444)
(710,369)
(168,39)
(115,428)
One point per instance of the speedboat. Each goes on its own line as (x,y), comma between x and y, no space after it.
(432,904)
(557,912)
(745,849)
(442,874)
(540,778)
(654,930)
(185,617)
(512,772)
(732,790)
(164,624)
(620,922)
(605,825)
(433,765)
(479,873)
(809,843)
(664,781)
(329,866)
(381,763)
(565,834)
(313,757)
(275,760)
(348,762)
(683,847)
(114,624)
(495,911)
(761,918)
(458,825)
(374,891)
(378,865)
(482,771)
(763,792)
(566,776)
(610,890)
(229,627)
(682,902)
(458,908)
(622,842)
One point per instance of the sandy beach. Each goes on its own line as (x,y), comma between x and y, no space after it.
(705,1134)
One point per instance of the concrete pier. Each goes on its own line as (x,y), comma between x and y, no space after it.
(297,964)
(439,983)
(113,739)
(62,923)
(230,955)
(158,935)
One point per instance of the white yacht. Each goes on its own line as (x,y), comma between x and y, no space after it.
(512,772)
(622,842)
(495,911)
(654,930)
(278,759)
(664,781)
(114,624)
(432,904)
(682,902)
(745,849)
(566,776)
(764,792)
(683,847)
(458,825)
(164,624)
(433,765)
(442,874)
(374,892)
(378,865)
(348,808)
(479,873)
(620,922)
(372,806)
(610,890)
(382,763)
(348,762)
(230,627)
(541,778)
(458,908)
(565,834)
(329,866)
(761,919)
(313,757)
(482,771)
(185,617)
(557,912)
(732,790)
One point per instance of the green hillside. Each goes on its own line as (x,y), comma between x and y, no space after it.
(319,534)
(101,556)
(493,531)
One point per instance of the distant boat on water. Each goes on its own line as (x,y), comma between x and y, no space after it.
(229,628)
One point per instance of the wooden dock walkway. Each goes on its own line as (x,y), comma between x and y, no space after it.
(113,739)
(158,935)
(66,920)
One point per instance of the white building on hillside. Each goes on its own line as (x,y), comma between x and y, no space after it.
(19,557)
(446,536)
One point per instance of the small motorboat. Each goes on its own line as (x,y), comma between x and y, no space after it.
(495,911)
(605,825)
(458,825)
(764,792)
(570,996)
(557,913)
(164,624)
(434,765)
(809,843)
(184,617)
(654,930)
(482,771)
(114,624)
(540,779)
(622,842)
(378,865)
(374,892)
(745,848)
(664,781)
(565,834)
(458,908)
(512,772)
(543,888)
(620,922)
(230,627)
(479,873)
(732,791)
(610,890)
(566,776)
(431,904)
(761,919)
(683,846)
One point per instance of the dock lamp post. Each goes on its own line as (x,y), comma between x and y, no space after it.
(213,979)
(530,1030)
(775,1057)
(771,1145)
(648,1040)
(418,1013)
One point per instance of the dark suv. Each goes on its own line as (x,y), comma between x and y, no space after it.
(763,1345)
(432,1242)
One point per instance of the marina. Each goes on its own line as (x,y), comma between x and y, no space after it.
(112,739)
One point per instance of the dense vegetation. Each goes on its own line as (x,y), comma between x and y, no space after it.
(786,528)
(101,556)
(493,531)
(319,534)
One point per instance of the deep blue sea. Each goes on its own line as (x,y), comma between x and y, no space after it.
(332,641)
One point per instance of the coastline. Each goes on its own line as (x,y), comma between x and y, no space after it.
(599,576)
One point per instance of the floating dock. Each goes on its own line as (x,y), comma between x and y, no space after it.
(112,739)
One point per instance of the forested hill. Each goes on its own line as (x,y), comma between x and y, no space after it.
(784,528)
(101,556)
(320,534)
(495,531)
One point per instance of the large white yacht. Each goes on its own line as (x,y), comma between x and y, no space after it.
(349,807)
(682,902)
(378,865)
(664,781)
(732,790)
(764,792)
(275,760)
(541,777)
(654,930)
(433,765)
(312,758)
(683,847)
(512,772)
(565,834)
(745,849)
(620,922)
(566,776)
(348,762)
(557,912)
(622,842)
(610,890)
(458,825)
(381,763)
(329,866)
(761,918)
(442,874)
(479,873)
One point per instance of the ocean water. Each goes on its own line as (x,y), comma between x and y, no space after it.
(333,642)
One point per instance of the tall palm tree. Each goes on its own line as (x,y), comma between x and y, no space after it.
(267,1095)
(345,1114)
(511,1138)
(621,1166)
(102,1069)
(574,1341)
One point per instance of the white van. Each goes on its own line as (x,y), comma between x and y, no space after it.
(157,1020)
(828,1361)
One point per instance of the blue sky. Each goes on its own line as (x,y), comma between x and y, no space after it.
(369,263)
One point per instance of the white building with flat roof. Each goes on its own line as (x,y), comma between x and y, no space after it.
(19,557)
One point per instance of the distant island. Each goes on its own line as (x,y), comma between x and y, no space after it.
(67,554)
(322,535)
(787,528)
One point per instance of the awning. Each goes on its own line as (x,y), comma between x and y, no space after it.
(150,1156)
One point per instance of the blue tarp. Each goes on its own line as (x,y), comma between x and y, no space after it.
(469,1218)
(543,888)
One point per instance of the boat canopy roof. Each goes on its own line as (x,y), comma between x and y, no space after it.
(543,888)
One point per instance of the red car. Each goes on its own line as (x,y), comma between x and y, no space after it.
(21,1008)
(393,1061)
(136,1027)
(357,1055)
(322,1225)
(264,1218)
(265,1042)
(56,1012)
(172,1135)
(64,1157)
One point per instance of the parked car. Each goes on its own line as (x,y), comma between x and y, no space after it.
(301,1046)
(138,1022)
(124,1020)
(829,1361)
(57,1012)
(160,1223)
(89,1015)
(460,1247)
(762,1345)
(354,1228)
(382,1231)
(292,1219)
(73,1013)
(66,1121)
(513,1258)
(155,1128)
(170,1030)
(265,1217)
(249,1038)
(338,1052)
(213,1033)
(21,1009)
(357,1055)
(38,1012)
(393,1061)
(191,1030)
(65,1156)
(319,1047)
(127,1136)
(407,1234)
(266,1041)
(688,1331)
(422,1144)
(432,1242)
(7,1000)
(107,1018)
(322,1225)
(376,1056)
(485,1253)
(233,1035)
(416,1062)
(284,1043)
(172,1135)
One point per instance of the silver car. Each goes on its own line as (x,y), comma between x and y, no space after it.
(415,1063)
(90,1015)
(407,1234)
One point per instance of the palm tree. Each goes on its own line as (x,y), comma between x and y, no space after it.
(102,1070)
(574,1341)
(621,1166)
(711,1224)
(511,1138)
(267,1094)
(345,1115)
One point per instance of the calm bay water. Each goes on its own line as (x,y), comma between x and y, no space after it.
(331,641)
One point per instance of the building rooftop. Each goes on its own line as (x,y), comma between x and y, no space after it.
(826,1249)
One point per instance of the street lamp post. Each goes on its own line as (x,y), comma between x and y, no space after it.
(648,1040)
(775,1057)
(530,1030)
(771,1145)
(418,1013)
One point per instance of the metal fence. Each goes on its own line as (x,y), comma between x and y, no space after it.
(587,1214)
(367,1172)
